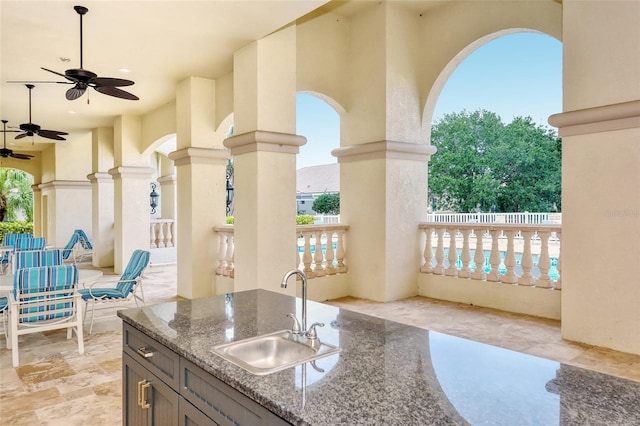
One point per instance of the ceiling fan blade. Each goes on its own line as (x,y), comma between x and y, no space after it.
(40,82)
(118,93)
(52,134)
(21,156)
(24,135)
(108,81)
(60,74)
(75,92)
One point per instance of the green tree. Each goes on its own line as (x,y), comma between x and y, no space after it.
(15,195)
(327,204)
(484,165)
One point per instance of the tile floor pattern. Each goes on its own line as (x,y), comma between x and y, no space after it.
(54,385)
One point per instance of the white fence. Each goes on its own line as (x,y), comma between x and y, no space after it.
(161,233)
(498,218)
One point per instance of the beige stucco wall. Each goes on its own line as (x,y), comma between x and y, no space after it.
(601,178)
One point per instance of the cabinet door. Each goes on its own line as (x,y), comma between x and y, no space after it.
(191,416)
(147,400)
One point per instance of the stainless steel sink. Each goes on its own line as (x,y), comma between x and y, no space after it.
(268,353)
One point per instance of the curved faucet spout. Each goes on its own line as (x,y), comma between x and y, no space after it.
(303,278)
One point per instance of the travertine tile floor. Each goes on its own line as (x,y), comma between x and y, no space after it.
(54,385)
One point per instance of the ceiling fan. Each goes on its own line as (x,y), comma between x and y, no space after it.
(6,152)
(82,78)
(31,129)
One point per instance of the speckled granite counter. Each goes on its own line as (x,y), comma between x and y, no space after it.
(387,373)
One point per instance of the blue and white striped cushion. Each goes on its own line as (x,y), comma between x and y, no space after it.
(68,249)
(100,293)
(45,279)
(84,240)
(138,262)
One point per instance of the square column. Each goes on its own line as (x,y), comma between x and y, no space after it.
(103,212)
(200,206)
(66,207)
(131,208)
(383,198)
(265,208)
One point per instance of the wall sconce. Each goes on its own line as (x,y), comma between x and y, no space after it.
(229,193)
(154,196)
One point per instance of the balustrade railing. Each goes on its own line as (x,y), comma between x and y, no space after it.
(161,233)
(320,250)
(527,255)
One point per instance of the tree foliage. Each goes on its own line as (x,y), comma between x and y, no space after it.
(16,196)
(327,204)
(484,165)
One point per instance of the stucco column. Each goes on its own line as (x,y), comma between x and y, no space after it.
(265,208)
(201,194)
(600,130)
(37,210)
(102,226)
(131,212)
(383,198)
(68,208)
(168,196)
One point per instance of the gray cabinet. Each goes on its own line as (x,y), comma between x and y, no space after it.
(147,399)
(162,388)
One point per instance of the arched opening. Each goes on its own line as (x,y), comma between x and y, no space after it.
(318,173)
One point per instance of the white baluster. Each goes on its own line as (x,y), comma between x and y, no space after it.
(306,256)
(330,270)
(160,237)
(152,235)
(465,257)
(509,276)
(544,264)
(318,268)
(222,253)
(527,260)
(452,270)
(478,257)
(428,252)
(168,235)
(494,257)
(341,253)
(558,283)
(229,270)
(439,268)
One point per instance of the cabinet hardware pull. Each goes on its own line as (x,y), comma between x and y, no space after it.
(143,351)
(143,403)
(140,383)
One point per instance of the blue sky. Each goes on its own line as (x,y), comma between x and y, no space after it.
(515,75)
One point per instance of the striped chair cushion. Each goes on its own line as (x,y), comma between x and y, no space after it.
(29,243)
(41,282)
(100,293)
(68,249)
(138,262)
(10,241)
(34,258)
(84,240)
(3,304)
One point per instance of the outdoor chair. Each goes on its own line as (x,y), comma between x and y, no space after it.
(29,243)
(35,258)
(85,249)
(68,250)
(4,305)
(126,288)
(9,240)
(44,298)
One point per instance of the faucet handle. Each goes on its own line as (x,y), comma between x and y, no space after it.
(295,329)
(311,334)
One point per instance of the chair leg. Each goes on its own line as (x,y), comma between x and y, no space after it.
(14,338)
(79,324)
(93,311)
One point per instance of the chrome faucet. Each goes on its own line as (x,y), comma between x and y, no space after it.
(303,277)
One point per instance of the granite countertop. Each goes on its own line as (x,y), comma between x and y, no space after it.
(387,373)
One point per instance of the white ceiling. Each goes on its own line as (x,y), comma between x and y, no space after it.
(161,42)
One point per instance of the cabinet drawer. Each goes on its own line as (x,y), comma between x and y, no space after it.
(191,416)
(219,401)
(157,358)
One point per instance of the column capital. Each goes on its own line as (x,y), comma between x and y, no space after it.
(193,155)
(384,150)
(261,140)
(167,180)
(606,118)
(65,184)
(100,177)
(131,172)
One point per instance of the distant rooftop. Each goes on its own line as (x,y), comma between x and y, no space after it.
(318,179)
